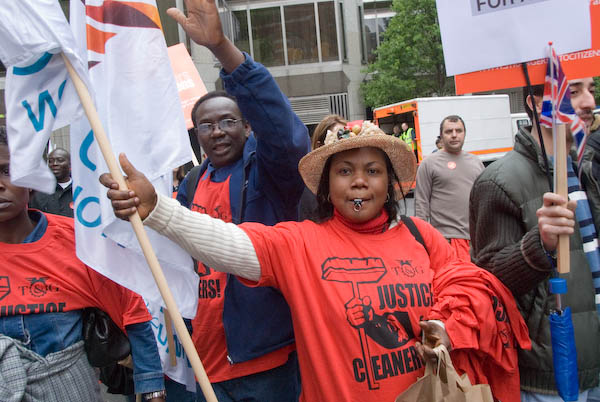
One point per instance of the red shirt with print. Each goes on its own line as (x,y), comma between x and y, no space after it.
(46,276)
(323,268)
(212,198)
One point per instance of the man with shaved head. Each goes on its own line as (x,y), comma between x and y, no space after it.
(61,201)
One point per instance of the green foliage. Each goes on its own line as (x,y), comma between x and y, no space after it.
(410,61)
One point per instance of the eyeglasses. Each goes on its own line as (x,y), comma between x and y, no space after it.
(225,124)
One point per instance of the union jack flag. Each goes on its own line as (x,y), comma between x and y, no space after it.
(556,92)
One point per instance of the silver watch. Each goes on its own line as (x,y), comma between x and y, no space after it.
(156,394)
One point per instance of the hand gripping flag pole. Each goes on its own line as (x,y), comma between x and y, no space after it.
(141,235)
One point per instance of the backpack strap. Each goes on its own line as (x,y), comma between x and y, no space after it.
(192,181)
(245,179)
(413,230)
(190,189)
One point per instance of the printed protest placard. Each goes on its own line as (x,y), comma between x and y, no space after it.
(481,34)
(585,63)
(189,84)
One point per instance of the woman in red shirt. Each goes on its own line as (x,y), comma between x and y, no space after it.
(360,286)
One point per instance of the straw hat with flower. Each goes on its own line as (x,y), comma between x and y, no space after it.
(369,135)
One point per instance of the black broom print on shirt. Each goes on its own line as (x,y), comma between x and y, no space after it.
(390,330)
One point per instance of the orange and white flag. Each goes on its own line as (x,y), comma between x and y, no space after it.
(138,103)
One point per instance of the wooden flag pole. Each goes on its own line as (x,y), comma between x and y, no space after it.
(138,227)
(561,188)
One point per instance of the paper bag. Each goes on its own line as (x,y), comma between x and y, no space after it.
(445,385)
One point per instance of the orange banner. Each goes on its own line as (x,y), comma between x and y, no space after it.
(585,63)
(189,84)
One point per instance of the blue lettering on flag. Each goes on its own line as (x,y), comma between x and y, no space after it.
(35,67)
(61,89)
(161,340)
(81,207)
(76,192)
(43,98)
(84,149)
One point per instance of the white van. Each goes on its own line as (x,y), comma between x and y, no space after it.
(518,120)
(487,119)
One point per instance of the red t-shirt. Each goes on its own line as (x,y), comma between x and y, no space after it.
(45,276)
(321,268)
(208,332)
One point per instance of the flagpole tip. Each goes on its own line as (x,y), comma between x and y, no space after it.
(550,43)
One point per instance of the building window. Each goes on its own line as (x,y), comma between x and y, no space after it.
(362,35)
(382,23)
(301,34)
(377,18)
(343,32)
(327,29)
(267,37)
(371,37)
(241,36)
(375,26)
(288,34)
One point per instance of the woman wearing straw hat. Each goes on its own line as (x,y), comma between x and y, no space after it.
(358,283)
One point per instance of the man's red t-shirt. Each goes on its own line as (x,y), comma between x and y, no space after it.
(212,198)
(322,268)
(45,277)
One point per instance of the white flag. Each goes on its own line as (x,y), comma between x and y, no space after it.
(39,95)
(138,103)
(182,372)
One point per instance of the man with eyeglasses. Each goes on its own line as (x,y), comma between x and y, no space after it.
(253,142)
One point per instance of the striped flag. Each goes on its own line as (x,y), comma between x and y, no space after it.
(589,237)
(556,92)
(138,103)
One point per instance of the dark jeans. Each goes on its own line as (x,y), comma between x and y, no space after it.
(281,384)
(176,392)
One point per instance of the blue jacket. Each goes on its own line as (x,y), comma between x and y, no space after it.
(266,181)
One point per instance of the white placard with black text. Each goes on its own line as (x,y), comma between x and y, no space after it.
(481,34)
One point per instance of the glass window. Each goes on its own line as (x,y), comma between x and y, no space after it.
(329,48)
(301,33)
(267,38)
(240,31)
(343,32)
(382,24)
(377,5)
(371,37)
(362,36)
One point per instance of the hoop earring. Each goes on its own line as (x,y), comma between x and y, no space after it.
(329,198)
(387,198)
